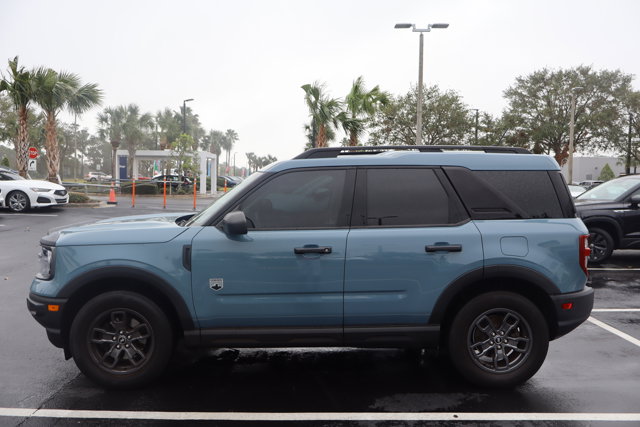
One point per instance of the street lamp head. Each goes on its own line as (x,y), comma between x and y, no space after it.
(187,100)
(403,25)
(440,25)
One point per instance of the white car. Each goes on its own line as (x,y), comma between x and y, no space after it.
(97,176)
(19,194)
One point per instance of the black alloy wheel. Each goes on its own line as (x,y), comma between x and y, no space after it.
(498,339)
(121,339)
(601,244)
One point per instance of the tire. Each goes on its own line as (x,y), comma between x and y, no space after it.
(93,180)
(482,336)
(601,244)
(18,201)
(121,340)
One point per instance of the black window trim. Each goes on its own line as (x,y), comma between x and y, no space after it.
(360,195)
(346,205)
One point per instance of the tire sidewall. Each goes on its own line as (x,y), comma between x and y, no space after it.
(162,339)
(607,237)
(463,321)
(26,206)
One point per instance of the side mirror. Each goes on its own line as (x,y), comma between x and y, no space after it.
(635,200)
(234,223)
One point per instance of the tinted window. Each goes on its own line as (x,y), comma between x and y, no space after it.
(531,191)
(406,197)
(302,199)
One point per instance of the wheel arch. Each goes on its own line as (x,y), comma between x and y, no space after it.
(516,279)
(607,224)
(81,289)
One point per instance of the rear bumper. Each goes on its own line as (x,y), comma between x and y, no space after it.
(570,318)
(43,310)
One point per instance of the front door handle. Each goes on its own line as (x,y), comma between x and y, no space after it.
(443,248)
(312,250)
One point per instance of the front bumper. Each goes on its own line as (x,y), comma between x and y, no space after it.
(48,312)
(49,199)
(570,318)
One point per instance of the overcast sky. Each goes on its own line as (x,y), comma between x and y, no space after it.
(244,61)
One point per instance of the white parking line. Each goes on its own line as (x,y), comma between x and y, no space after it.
(614,269)
(615,331)
(615,310)
(320,416)
(28,214)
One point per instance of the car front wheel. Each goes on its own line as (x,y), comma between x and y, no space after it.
(498,339)
(18,201)
(121,339)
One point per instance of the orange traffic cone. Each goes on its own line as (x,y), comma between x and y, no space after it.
(112,196)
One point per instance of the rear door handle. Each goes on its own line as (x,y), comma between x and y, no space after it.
(443,248)
(312,250)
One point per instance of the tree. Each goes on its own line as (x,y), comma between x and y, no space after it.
(229,140)
(445,119)
(540,106)
(216,142)
(183,150)
(169,127)
(54,92)
(360,105)
(135,127)
(606,173)
(323,112)
(21,89)
(125,123)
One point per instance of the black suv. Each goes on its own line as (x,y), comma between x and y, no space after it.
(610,212)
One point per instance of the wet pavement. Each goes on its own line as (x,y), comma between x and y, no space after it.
(590,371)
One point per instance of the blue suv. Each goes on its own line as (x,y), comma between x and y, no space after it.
(476,251)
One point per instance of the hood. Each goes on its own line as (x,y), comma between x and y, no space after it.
(36,183)
(120,231)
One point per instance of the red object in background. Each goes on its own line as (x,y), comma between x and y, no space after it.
(33,153)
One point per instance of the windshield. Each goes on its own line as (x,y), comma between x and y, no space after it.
(222,203)
(610,190)
(8,176)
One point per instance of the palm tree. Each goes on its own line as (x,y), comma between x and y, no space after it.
(134,128)
(230,138)
(216,141)
(20,88)
(170,127)
(360,105)
(323,111)
(54,92)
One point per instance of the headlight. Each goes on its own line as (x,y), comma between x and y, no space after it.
(40,190)
(45,263)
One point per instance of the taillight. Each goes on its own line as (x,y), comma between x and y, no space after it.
(584,252)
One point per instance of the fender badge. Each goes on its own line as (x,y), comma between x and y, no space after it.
(216,284)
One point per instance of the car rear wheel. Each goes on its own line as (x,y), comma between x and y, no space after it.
(121,339)
(601,244)
(18,201)
(498,339)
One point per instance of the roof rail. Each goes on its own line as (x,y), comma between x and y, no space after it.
(328,152)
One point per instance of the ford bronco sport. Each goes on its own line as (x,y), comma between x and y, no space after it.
(473,250)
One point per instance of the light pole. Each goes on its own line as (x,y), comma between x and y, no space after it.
(627,168)
(419,106)
(571,126)
(184,114)
(477,114)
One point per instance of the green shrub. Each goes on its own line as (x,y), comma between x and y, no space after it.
(78,198)
(140,188)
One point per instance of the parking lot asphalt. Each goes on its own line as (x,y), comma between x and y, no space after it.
(590,377)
